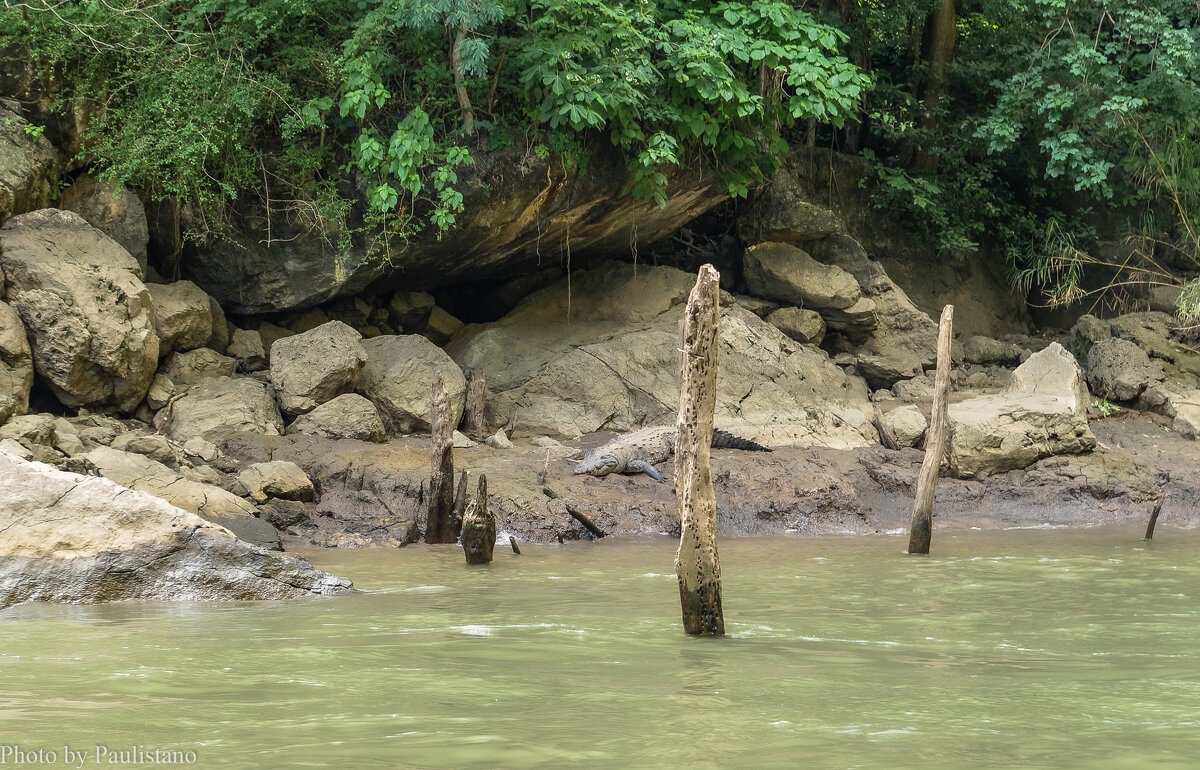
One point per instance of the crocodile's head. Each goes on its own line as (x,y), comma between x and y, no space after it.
(596,463)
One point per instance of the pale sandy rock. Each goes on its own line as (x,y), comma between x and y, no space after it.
(347,416)
(280,479)
(398,378)
(215,408)
(316,366)
(183,316)
(16,364)
(80,539)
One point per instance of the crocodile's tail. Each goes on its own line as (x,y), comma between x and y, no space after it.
(725,440)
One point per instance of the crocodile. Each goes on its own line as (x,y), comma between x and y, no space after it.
(641,450)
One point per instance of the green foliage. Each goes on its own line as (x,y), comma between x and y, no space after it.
(1105,407)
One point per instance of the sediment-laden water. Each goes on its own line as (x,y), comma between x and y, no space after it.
(1044,648)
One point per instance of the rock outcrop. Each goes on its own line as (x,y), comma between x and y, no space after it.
(316,366)
(398,378)
(73,538)
(193,366)
(113,210)
(280,478)
(214,408)
(89,318)
(209,502)
(1120,370)
(613,366)
(16,364)
(183,316)
(28,163)
(788,274)
(1042,412)
(347,416)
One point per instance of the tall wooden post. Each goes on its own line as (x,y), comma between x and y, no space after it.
(439,523)
(697,563)
(921,531)
(1162,498)
(479,527)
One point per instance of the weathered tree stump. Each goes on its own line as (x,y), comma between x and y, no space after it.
(1162,498)
(460,505)
(921,531)
(697,563)
(474,420)
(438,524)
(479,527)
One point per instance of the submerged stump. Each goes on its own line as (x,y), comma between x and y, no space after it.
(697,563)
(479,527)
(921,530)
(439,524)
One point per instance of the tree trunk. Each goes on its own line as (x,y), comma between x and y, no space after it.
(479,528)
(921,531)
(460,87)
(697,562)
(439,522)
(1154,516)
(858,127)
(937,52)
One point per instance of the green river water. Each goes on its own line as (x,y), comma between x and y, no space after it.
(1029,648)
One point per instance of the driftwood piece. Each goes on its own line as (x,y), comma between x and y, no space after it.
(583,519)
(921,530)
(479,527)
(474,420)
(438,525)
(541,479)
(512,542)
(1162,498)
(697,562)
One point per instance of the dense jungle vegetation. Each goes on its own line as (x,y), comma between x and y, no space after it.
(1014,125)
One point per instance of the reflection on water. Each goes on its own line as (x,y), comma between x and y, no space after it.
(1033,649)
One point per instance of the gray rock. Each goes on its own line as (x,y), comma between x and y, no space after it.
(915,388)
(759,307)
(985,350)
(440,326)
(1176,400)
(316,366)
(14,448)
(213,409)
(113,210)
(347,416)
(902,341)
(89,319)
(613,367)
(398,378)
(246,346)
(805,326)
(194,366)
(199,448)
(1119,370)
(1149,331)
(1164,299)
(461,441)
(156,447)
(282,514)
(781,212)
(279,478)
(907,425)
(219,340)
(499,440)
(1042,412)
(182,316)
(127,545)
(29,164)
(409,309)
(16,364)
(162,389)
(209,502)
(30,429)
(788,274)
(270,333)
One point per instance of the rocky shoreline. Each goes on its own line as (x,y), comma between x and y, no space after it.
(311,427)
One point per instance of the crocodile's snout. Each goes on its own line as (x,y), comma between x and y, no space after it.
(596,465)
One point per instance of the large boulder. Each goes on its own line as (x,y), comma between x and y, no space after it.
(1120,370)
(16,364)
(28,163)
(347,416)
(280,478)
(804,326)
(398,378)
(113,210)
(209,502)
(183,316)
(780,211)
(1042,412)
(788,274)
(246,346)
(315,366)
(611,365)
(1175,400)
(215,408)
(72,538)
(89,317)
(188,368)
(901,341)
